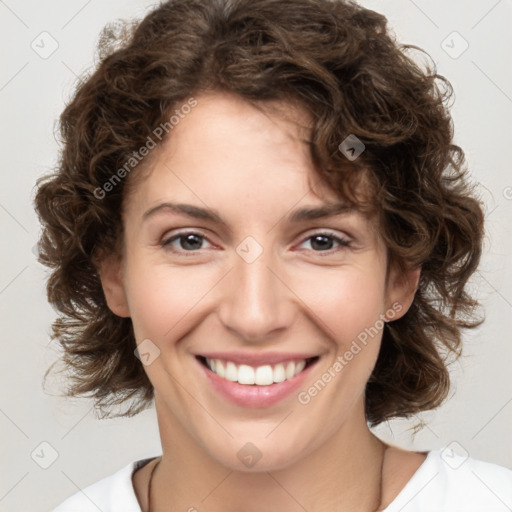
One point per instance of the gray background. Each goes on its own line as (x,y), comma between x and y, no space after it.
(475,420)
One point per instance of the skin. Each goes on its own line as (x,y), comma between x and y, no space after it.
(253,168)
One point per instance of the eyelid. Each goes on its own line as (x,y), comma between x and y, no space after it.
(342,239)
(329,232)
(167,238)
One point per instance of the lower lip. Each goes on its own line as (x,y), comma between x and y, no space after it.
(254,396)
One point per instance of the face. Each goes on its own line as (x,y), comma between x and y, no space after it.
(276,298)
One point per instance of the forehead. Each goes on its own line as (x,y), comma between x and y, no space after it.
(226,145)
(232,156)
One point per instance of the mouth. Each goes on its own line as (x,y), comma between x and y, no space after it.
(255,385)
(263,375)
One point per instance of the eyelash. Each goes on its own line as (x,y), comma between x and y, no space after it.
(344,243)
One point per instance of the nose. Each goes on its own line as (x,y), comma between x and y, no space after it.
(256,302)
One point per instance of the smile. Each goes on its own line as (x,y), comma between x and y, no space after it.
(256,381)
(264,375)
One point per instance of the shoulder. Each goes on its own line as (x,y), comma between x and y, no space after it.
(114,493)
(450,482)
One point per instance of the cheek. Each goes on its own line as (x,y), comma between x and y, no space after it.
(344,301)
(162,299)
(347,304)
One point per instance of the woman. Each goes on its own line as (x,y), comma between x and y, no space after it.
(260,220)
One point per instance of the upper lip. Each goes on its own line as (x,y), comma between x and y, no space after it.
(258,359)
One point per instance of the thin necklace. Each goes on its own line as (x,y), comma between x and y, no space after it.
(379,503)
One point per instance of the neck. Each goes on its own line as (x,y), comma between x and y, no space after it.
(344,473)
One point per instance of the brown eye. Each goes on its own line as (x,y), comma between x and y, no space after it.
(187,242)
(323,242)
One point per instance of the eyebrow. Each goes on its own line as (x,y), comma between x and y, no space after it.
(299,215)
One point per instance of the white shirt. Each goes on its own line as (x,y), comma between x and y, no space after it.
(445,482)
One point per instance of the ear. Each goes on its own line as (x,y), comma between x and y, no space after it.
(401,289)
(111,275)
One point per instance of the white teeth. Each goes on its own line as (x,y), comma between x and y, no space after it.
(231,371)
(279,373)
(299,367)
(290,370)
(264,376)
(261,376)
(219,368)
(245,374)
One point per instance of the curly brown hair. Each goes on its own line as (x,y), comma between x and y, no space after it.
(340,62)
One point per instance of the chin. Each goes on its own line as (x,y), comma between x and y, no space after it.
(259,454)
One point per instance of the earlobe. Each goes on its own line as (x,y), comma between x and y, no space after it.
(402,289)
(110,271)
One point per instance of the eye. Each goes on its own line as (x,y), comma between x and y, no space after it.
(189,241)
(323,242)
